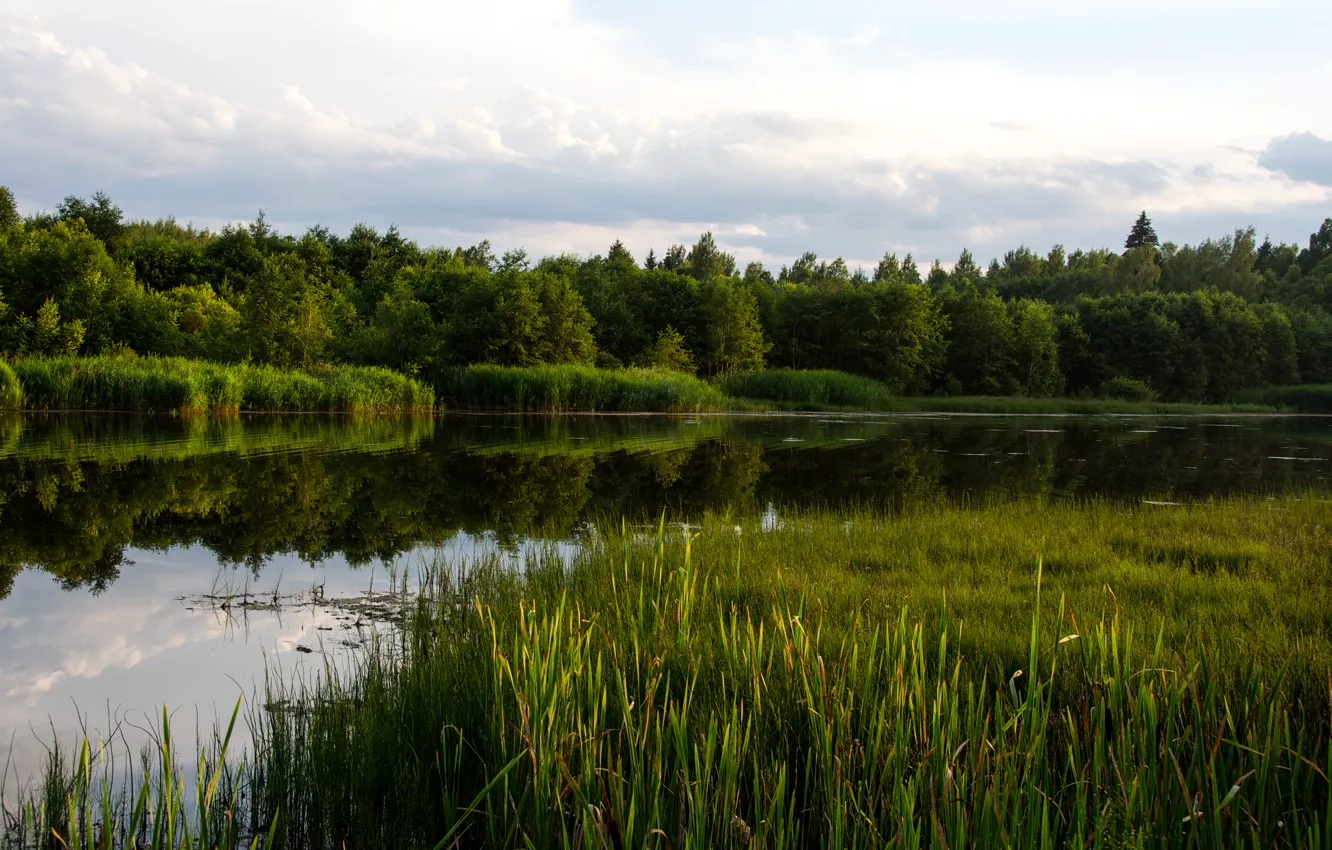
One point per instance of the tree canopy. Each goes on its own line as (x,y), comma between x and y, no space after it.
(1184,322)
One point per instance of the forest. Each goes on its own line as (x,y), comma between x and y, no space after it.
(1155,320)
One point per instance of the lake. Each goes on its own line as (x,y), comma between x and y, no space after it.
(161,561)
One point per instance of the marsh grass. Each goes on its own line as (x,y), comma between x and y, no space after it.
(99,799)
(824,685)
(178,385)
(1009,674)
(11,393)
(568,388)
(1302,398)
(809,389)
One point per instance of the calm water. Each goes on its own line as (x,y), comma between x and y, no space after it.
(121,537)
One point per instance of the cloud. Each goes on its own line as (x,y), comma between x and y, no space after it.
(1300,156)
(572,128)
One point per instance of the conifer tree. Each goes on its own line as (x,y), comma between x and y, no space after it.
(1142,233)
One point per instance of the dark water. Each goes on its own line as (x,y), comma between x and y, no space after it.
(113,531)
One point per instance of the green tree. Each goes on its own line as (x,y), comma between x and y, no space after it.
(706,261)
(1036,348)
(670,352)
(1142,235)
(9,217)
(736,343)
(103,218)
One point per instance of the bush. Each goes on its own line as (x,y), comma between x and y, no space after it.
(1127,389)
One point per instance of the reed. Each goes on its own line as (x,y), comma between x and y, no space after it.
(557,389)
(1301,398)
(100,800)
(178,385)
(999,675)
(810,389)
(660,690)
(11,393)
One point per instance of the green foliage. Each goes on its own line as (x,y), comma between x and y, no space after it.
(837,681)
(176,385)
(670,353)
(809,389)
(1304,398)
(1199,323)
(11,393)
(1143,235)
(1127,389)
(736,342)
(575,388)
(9,216)
(100,216)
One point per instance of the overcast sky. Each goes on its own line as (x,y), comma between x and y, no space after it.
(846,128)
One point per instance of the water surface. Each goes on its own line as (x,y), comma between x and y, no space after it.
(121,538)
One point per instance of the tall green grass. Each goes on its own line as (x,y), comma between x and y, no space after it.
(549,389)
(1018,674)
(1302,398)
(794,389)
(11,392)
(178,385)
(815,389)
(653,694)
(100,800)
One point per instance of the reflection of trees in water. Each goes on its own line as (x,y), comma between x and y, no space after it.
(223,488)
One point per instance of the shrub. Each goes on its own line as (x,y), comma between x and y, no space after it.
(1127,389)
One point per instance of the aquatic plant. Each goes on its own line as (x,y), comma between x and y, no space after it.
(178,385)
(575,388)
(11,393)
(811,388)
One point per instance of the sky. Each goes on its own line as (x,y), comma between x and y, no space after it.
(844,128)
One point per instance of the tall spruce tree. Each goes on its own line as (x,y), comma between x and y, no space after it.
(1142,233)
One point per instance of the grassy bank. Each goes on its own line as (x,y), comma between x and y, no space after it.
(178,385)
(1305,398)
(554,389)
(1018,674)
(793,389)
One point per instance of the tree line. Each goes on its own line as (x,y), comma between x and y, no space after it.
(1177,322)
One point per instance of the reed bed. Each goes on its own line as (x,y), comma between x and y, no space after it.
(1301,398)
(559,389)
(812,389)
(178,385)
(653,695)
(11,392)
(795,389)
(1017,674)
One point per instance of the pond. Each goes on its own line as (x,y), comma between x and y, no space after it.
(148,562)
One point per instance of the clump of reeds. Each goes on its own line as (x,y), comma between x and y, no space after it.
(93,803)
(1301,398)
(11,392)
(811,388)
(179,385)
(575,388)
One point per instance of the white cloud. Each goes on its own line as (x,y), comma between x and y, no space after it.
(538,120)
